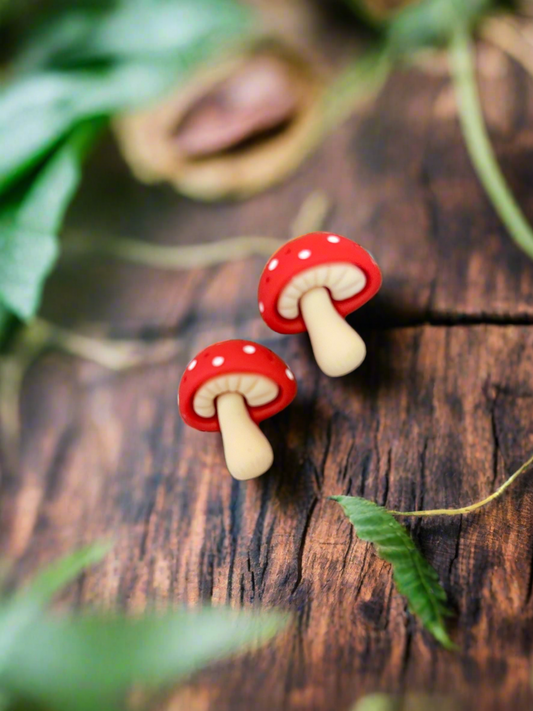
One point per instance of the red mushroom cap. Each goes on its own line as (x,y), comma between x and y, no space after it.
(226,358)
(299,255)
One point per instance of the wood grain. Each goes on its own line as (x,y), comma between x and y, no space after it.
(439,415)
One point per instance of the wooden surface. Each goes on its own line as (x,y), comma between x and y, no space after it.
(439,414)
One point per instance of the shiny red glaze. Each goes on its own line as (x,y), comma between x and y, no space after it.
(236,360)
(322,252)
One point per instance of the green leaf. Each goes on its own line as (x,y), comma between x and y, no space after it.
(98,63)
(86,663)
(479,146)
(36,113)
(142,27)
(46,44)
(90,64)
(133,29)
(18,615)
(5,322)
(433,22)
(377,702)
(29,224)
(413,575)
(409,702)
(60,573)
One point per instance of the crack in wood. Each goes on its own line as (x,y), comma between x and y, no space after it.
(235,513)
(455,556)
(301,546)
(386,476)
(347,551)
(495,439)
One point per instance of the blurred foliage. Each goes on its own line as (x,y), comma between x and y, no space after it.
(18,614)
(379,12)
(30,220)
(86,62)
(78,67)
(410,26)
(410,702)
(85,662)
(433,22)
(421,22)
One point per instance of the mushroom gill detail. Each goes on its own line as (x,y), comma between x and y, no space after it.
(256,389)
(343,280)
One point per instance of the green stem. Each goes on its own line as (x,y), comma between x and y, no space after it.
(181,257)
(479,146)
(473,507)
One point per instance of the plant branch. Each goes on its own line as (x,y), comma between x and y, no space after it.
(113,354)
(473,507)
(310,217)
(177,258)
(479,146)
(116,355)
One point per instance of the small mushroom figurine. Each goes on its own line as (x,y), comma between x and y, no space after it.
(230,387)
(311,284)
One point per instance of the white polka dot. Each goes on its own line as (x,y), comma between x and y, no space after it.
(217,361)
(273,264)
(261,307)
(289,374)
(333,239)
(192,364)
(249,349)
(304,254)
(178,399)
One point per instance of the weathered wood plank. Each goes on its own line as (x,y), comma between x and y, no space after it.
(109,457)
(438,415)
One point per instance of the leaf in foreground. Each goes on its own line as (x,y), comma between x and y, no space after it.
(90,662)
(413,575)
(410,702)
(433,22)
(18,614)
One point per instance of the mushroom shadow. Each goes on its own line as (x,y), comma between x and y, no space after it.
(387,310)
(291,481)
(294,476)
(376,323)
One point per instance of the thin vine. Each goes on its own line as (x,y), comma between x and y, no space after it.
(414,577)
(118,354)
(310,217)
(472,507)
(182,257)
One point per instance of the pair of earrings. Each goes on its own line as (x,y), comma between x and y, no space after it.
(310,284)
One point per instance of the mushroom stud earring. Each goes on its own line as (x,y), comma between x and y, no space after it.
(311,284)
(230,387)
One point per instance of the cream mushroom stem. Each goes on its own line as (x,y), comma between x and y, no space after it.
(248,452)
(337,347)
